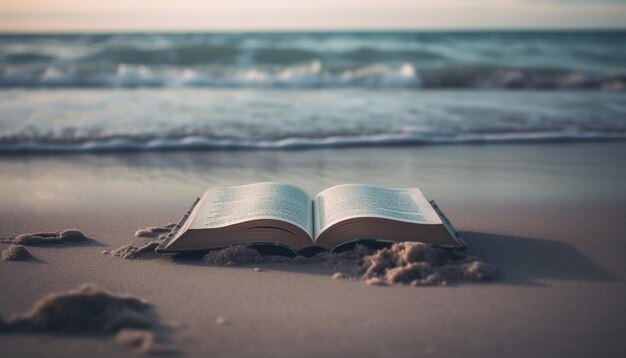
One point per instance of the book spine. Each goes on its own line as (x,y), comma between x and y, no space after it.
(162,247)
(448,225)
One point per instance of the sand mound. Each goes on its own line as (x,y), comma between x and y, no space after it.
(243,255)
(16,253)
(131,251)
(44,238)
(90,310)
(423,265)
(402,263)
(155,231)
(86,309)
(236,255)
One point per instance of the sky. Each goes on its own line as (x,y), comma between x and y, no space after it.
(270,15)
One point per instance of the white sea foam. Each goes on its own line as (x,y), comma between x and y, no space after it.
(311,74)
(174,119)
(380,140)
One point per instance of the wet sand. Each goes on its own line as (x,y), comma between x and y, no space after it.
(550,216)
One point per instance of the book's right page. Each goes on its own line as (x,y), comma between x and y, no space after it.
(349,201)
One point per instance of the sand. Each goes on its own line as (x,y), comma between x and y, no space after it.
(411,263)
(549,217)
(86,309)
(418,264)
(155,231)
(45,238)
(89,310)
(144,250)
(239,255)
(130,251)
(16,253)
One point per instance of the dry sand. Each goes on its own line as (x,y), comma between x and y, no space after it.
(45,238)
(130,251)
(16,253)
(411,263)
(155,231)
(89,310)
(550,217)
(422,265)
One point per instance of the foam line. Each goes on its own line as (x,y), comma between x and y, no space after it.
(377,140)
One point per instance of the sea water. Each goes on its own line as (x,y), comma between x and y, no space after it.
(103,92)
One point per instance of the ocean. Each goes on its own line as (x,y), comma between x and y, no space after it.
(203,91)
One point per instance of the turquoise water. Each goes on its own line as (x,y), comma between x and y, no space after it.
(283,90)
(546,60)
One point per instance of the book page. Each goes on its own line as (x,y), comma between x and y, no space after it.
(355,200)
(231,205)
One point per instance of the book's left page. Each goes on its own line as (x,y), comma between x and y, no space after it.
(226,206)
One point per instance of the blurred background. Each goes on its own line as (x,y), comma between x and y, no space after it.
(115,115)
(145,75)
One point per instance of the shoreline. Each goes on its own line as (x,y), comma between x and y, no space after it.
(196,144)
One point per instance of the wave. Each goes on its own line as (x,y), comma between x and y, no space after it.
(234,53)
(27,58)
(506,60)
(126,144)
(312,74)
(182,55)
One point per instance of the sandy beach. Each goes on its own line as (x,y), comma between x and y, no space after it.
(550,216)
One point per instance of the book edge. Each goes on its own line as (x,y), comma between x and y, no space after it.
(461,244)
(162,248)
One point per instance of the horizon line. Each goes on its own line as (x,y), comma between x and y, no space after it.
(312,30)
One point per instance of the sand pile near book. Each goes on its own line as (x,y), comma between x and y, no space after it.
(243,255)
(155,231)
(423,265)
(411,263)
(130,251)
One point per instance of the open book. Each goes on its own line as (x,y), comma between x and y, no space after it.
(283,214)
